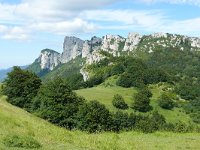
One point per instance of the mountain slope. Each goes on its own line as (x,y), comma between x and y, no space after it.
(3,72)
(15,121)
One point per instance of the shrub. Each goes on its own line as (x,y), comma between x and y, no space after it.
(165,101)
(145,91)
(120,121)
(57,103)
(141,102)
(145,124)
(93,117)
(21,87)
(158,120)
(118,102)
(181,127)
(21,142)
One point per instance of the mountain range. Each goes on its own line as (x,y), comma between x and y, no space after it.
(78,54)
(88,52)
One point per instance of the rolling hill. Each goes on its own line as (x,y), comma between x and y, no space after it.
(17,122)
(105,92)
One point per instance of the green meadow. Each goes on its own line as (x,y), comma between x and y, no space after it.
(15,121)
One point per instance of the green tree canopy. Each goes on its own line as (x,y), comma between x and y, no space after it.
(57,103)
(21,87)
(118,102)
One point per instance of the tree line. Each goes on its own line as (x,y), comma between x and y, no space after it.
(57,103)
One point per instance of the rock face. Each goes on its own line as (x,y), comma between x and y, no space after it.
(72,48)
(90,46)
(116,45)
(195,42)
(113,44)
(49,59)
(85,74)
(132,41)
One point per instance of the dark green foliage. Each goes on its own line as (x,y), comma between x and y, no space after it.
(117,69)
(118,102)
(43,72)
(21,87)
(137,74)
(166,101)
(188,88)
(146,91)
(26,142)
(142,102)
(158,120)
(75,81)
(93,117)
(57,103)
(121,121)
(145,124)
(95,80)
(155,75)
(194,109)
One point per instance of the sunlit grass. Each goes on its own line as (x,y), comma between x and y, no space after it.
(19,122)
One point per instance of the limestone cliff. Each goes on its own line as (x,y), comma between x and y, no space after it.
(49,59)
(90,50)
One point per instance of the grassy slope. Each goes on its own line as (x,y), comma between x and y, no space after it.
(105,92)
(17,121)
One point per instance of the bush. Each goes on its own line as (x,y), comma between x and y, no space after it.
(118,102)
(145,91)
(57,103)
(165,101)
(93,117)
(21,87)
(120,121)
(145,124)
(21,142)
(141,102)
(158,120)
(181,127)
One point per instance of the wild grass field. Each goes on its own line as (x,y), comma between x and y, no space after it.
(15,121)
(105,92)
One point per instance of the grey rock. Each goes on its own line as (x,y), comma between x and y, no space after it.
(72,48)
(49,59)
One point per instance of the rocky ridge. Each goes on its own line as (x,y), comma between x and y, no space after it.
(113,44)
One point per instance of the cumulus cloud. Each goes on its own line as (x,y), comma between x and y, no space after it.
(72,26)
(56,16)
(19,21)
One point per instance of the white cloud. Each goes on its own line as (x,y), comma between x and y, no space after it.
(146,21)
(189,26)
(15,33)
(19,21)
(191,2)
(126,17)
(57,16)
(2,28)
(65,27)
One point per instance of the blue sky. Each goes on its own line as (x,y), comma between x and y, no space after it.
(28,26)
